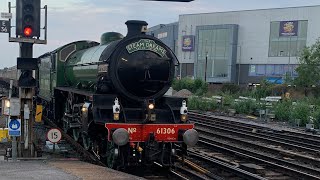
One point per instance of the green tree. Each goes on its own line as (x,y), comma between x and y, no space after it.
(288,78)
(309,69)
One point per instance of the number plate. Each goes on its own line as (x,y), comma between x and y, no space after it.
(141,132)
(54,135)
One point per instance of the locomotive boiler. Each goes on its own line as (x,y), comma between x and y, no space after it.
(110,97)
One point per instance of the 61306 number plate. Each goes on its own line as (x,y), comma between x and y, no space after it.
(141,132)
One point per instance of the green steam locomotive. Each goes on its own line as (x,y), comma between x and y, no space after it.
(110,97)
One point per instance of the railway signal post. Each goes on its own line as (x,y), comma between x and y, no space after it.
(28,32)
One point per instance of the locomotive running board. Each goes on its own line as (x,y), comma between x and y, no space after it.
(76,91)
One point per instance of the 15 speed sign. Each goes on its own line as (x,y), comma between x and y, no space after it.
(54,135)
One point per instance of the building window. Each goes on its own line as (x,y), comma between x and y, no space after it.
(187,70)
(260,70)
(278,70)
(287,41)
(215,45)
(272,70)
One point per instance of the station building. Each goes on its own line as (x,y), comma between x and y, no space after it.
(243,46)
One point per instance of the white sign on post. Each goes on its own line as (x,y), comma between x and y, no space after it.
(54,135)
(6,15)
(15,107)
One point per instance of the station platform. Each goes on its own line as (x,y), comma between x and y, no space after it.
(58,169)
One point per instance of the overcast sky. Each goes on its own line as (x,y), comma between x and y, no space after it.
(71,20)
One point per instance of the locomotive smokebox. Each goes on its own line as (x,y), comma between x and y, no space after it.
(136,27)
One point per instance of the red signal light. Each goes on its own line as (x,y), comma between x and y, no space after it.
(27,31)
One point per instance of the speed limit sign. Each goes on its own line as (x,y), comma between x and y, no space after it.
(54,135)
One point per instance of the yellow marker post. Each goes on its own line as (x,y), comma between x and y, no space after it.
(38,114)
(4,134)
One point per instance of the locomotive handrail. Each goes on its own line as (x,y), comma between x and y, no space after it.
(85,64)
(164,58)
(159,81)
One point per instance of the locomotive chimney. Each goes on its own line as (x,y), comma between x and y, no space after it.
(136,27)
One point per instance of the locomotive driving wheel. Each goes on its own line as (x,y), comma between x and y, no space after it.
(112,154)
(67,112)
(86,141)
(97,149)
(64,125)
(76,134)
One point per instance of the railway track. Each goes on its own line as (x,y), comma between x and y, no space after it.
(221,170)
(194,170)
(264,144)
(177,172)
(306,139)
(213,168)
(270,136)
(239,141)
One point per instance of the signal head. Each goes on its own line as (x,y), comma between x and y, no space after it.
(28,18)
(27,31)
(28,9)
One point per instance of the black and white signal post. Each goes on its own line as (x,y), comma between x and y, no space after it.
(27,33)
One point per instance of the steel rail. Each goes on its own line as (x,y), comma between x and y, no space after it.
(245,129)
(227,167)
(310,147)
(189,173)
(198,168)
(307,159)
(312,139)
(276,164)
(270,150)
(178,175)
(179,172)
(255,136)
